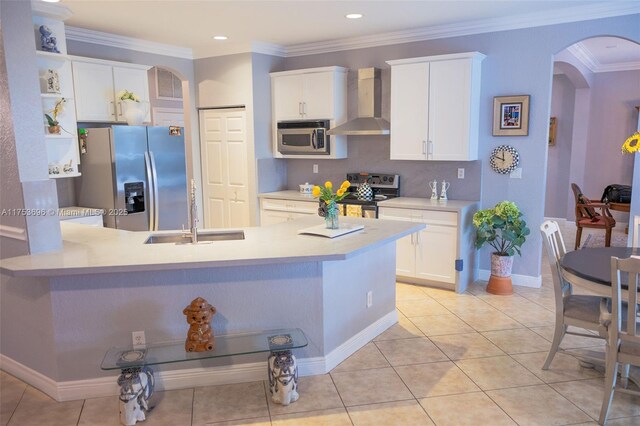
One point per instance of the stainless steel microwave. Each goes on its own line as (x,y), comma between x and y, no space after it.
(303,137)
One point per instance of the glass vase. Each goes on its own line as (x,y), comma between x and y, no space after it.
(331,217)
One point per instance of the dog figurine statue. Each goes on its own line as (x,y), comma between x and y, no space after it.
(136,387)
(283,377)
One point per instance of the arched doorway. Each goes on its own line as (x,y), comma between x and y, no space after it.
(596,86)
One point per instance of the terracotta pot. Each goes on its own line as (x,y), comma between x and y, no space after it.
(54,130)
(500,280)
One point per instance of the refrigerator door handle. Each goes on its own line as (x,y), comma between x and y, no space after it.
(151,188)
(154,200)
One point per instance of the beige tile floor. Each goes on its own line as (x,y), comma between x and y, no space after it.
(469,359)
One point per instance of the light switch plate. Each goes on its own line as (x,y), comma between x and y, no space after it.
(516,174)
(315,168)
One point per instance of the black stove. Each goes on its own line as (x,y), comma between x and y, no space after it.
(383,187)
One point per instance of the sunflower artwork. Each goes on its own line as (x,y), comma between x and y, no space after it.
(632,144)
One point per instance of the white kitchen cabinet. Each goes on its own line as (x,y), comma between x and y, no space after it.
(435,105)
(274,211)
(305,94)
(442,254)
(97,83)
(311,94)
(56,83)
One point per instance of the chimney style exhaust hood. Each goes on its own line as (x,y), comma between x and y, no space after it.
(369,121)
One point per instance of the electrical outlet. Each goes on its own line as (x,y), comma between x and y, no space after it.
(138,338)
(369,299)
(461,173)
(516,174)
(315,168)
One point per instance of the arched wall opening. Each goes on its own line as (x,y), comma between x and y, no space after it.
(594,110)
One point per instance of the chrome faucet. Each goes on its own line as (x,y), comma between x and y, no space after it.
(193,210)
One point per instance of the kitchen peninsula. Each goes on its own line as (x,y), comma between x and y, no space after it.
(62,310)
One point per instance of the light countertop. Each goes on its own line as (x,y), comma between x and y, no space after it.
(427,204)
(88,250)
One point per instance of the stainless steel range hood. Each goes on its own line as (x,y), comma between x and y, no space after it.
(369,121)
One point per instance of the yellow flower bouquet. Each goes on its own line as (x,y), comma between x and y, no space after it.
(325,193)
(330,210)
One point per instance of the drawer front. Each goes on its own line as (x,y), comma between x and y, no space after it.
(308,207)
(393,213)
(439,217)
(433,217)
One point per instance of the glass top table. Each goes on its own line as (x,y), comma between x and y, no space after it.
(225,345)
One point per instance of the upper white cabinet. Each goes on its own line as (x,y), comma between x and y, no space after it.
(435,103)
(311,94)
(97,83)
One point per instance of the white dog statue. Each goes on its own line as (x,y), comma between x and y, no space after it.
(283,377)
(136,387)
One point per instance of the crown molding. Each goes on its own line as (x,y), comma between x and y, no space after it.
(51,10)
(573,14)
(582,54)
(123,42)
(268,49)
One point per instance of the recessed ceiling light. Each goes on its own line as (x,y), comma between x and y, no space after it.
(354,16)
(51,1)
(220,37)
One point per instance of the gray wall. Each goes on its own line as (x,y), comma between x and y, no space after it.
(559,159)
(613,118)
(518,62)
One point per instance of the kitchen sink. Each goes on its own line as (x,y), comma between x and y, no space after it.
(203,237)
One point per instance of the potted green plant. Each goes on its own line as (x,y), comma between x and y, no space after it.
(504,229)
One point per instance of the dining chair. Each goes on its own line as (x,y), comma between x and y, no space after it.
(624,331)
(590,214)
(588,312)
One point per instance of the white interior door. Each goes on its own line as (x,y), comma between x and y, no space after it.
(223,144)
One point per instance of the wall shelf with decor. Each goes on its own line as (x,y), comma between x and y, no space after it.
(56,83)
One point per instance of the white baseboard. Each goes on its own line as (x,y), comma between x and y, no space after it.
(194,377)
(521,280)
(347,349)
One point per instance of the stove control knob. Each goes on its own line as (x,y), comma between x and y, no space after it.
(390,179)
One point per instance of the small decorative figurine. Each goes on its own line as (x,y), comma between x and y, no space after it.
(68,167)
(199,337)
(443,192)
(434,189)
(54,169)
(53,82)
(47,41)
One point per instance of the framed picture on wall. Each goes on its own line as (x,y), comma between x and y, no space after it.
(511,115)
(552,130)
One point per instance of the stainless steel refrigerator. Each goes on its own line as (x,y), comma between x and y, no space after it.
(137,174)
